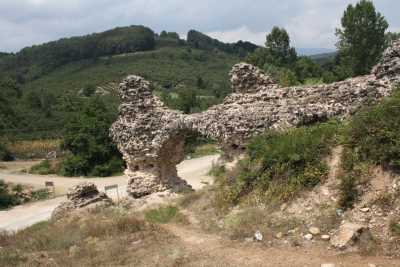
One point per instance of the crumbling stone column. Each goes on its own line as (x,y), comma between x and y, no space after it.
(150,139)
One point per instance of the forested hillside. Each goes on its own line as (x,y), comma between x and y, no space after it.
(41,84)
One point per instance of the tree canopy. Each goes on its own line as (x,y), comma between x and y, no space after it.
(277,51)
(278,47)
(361,37)
(87,138)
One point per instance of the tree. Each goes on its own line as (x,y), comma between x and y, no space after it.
(200,83)
(163,34)
(361,37)
(306,68)
(277,51)
(6,199)
(187,100)
(9,94)
(287,78)
(87,138)
(278,46)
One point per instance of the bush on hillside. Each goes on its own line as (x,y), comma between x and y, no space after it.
(5,155)
(371,138)
(87,139)
(374,134)
(46,167)
(278,165)
(6,198)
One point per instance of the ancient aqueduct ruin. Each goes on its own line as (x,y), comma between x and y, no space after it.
(151,136)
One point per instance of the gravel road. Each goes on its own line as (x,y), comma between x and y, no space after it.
(194,171)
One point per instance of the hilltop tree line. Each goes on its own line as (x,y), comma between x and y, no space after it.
(199,40)
(33,62)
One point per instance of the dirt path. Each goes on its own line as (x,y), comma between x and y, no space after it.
(212,250)
(194,171)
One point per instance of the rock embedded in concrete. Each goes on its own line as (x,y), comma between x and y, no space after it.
(150,136)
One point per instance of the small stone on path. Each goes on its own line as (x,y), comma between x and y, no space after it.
(325,237)
(365,210)
(258,236)
(279,235)
(314,230)
(308,237)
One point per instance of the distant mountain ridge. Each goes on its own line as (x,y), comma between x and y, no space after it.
(313,51)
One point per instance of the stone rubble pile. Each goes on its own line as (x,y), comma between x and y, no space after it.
(150,136)
(84,195)
(389,67)
(246,78)
(348,234)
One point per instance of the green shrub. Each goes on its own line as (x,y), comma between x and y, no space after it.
(41,194)
(197,145)
(280,164)
(394,226)
(87,138)
(5,155)
(204,150)
(6,198)
(371,138)
(348,191)
(43,168)
(217,170)
(74,166)
(114,166)
(374,134)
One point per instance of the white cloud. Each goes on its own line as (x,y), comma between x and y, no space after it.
(311,23)
(241,33)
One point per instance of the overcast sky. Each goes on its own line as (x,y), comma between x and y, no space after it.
(311,23)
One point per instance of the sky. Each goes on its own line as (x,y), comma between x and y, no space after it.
(310,23)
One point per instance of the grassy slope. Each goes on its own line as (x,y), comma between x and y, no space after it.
(168,67)
(165,65)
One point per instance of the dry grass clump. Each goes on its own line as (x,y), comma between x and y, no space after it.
(164,214)
(110,237)
(33,149)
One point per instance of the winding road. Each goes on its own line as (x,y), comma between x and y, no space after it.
(194,171)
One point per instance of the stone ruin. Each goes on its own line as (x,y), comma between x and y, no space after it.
(82,196)
(151,136)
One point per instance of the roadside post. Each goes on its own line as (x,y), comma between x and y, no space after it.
(112,187)
(50,184)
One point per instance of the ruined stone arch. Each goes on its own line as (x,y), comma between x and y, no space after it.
(150,136)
